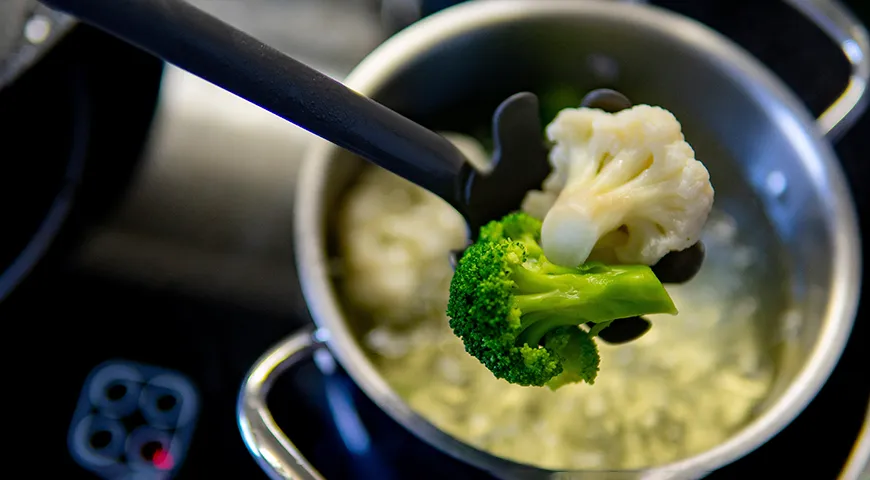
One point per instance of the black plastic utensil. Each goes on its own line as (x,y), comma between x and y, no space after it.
(203,45)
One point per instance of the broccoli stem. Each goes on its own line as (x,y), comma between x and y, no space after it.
(550,300)
(599,327)
(536,325)
(545,277)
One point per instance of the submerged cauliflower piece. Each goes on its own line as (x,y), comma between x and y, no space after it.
(387,215)
(625,188)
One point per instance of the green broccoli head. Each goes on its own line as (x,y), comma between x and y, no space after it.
(520,315)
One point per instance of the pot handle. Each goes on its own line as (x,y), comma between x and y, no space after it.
(274,452)
(846,31)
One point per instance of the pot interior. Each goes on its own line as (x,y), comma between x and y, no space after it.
(766,289)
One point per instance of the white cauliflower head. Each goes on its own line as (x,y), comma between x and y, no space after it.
(625,188)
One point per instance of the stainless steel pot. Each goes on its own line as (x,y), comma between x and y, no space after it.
(771,164)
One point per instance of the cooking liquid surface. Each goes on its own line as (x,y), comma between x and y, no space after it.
(684,387)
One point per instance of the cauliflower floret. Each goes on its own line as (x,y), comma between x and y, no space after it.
(625,188)
(390,269)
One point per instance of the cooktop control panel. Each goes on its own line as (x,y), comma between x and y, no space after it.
(133,421)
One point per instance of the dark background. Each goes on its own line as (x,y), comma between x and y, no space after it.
(60,322)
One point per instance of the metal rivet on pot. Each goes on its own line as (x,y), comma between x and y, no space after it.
(37,29)
(776,183)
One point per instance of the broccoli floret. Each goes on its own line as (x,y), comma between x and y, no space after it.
(520,315)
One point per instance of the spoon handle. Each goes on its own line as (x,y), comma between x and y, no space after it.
(203,45)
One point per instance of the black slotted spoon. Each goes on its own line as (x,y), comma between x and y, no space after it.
(203,45)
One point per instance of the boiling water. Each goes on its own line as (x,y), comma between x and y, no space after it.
(684,387)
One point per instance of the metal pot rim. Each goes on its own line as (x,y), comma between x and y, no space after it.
(309,231)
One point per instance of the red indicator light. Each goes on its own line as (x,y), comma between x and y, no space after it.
(162,460)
